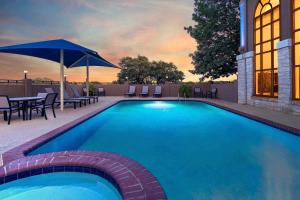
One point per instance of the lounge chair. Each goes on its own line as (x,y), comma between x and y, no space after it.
(157,91)
(47,103)
(66,101)
(145,91)
(6,106)
(83,100)
(131,91)
(212,93)
(77,95)
(101,91)
(198,92)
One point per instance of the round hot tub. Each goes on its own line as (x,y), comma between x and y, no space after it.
(60,186)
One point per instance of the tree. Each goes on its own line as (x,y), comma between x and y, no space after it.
(217,34)
(162,72)
(140,70)
(134,70)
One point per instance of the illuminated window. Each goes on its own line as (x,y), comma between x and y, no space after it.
(266,37)
(296,40)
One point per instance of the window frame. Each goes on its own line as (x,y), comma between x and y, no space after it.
(294,31)
(273,49)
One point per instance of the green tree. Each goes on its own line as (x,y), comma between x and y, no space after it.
(216,32)
(140,70)
(134,70)
(162,72)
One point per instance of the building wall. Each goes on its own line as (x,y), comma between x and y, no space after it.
(285,21)
(284,101)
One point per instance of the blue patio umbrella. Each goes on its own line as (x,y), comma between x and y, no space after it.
(64,52)
(90,60)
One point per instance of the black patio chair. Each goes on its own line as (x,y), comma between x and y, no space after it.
(7,107)
(212,93)
(198,92)
(47,103)
(131,91)
(157,91)
(101,91)
(145,91)
(77,95)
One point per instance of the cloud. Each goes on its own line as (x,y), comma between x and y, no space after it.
(114,28)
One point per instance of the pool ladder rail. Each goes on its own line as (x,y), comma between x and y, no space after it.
(183,98)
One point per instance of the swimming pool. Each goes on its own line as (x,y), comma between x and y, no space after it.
(60,186)
(196,151)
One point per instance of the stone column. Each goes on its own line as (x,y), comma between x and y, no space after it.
(284,72)
(242,82)
(249,76)
(27,87)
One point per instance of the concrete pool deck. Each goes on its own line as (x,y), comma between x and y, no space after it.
(20,132)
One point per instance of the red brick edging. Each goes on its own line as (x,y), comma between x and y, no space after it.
(131,179)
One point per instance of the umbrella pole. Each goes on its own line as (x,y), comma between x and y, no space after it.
(87,77)
(61,79)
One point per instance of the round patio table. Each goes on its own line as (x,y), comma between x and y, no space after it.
(25,101)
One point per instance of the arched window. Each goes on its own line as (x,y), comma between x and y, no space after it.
(266,37)
(296,40)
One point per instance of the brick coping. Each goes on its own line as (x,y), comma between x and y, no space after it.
(17,154)
(132,180)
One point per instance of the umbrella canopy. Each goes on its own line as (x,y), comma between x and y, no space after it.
(64,52)
(92,61)
(50,50)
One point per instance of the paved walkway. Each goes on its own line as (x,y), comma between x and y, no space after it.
(19,132)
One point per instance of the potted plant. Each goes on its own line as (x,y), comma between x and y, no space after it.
(185,90)
(92,88)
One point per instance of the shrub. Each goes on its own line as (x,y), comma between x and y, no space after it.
(185,90)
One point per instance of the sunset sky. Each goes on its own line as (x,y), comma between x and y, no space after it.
(114,28)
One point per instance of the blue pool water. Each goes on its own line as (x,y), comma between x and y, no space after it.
(196,151)
(59,186)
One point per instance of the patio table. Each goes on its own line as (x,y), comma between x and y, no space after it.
(25,101)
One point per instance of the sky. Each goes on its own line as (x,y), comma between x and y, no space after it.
(114,28)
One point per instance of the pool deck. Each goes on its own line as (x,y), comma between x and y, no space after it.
(20,132)
(131,179)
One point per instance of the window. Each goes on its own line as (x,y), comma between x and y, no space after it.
(266,37)
(296,41)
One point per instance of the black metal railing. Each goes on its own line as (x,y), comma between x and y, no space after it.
(11,82)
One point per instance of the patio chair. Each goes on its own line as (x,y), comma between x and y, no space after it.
(157,91)
(66,101)
(42,95)
(84,100)
(198,92)
(7,106)
(212,93)
(101,91)
(47,103)
(145,91)
(131,91)
(77,95)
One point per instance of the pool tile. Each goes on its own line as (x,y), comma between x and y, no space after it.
(24,174)
(10,178)
(36,171)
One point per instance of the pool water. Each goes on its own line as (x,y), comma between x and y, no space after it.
(196,151)
(59,186)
